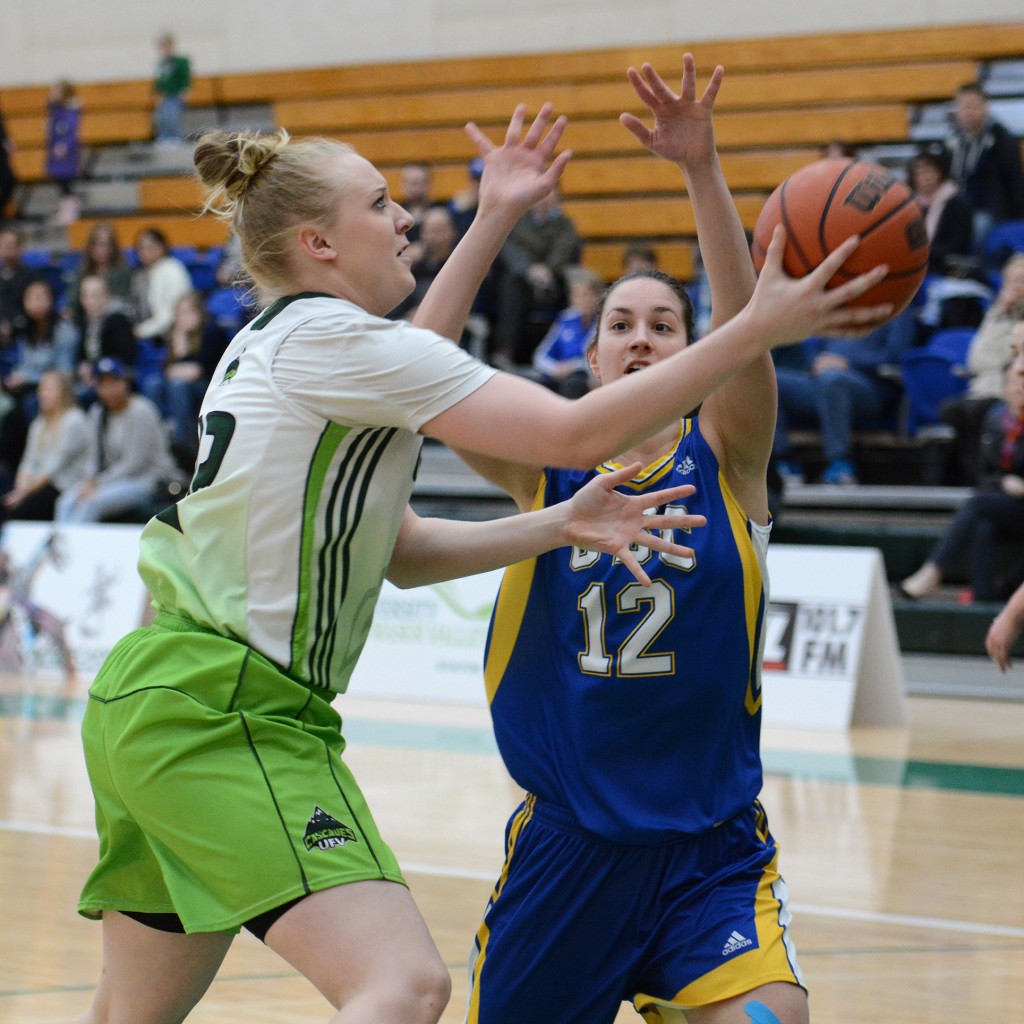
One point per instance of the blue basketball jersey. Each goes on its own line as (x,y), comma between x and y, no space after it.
(637,709)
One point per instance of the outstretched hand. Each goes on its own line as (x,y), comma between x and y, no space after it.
(524,169)
(682,131)
(790,309)
(603,519)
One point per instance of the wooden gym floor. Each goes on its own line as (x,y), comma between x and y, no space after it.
(901,849)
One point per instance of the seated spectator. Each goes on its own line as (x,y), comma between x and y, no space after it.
(54,458)
(194,348)
(956,289)
(128,460)
(14,279)
(42,340)
(230,305)
(101,256)
(529,288)
(985,162)
(417,198)
(157,285)
(437,242)
(835,383)
(561,358)
(106,330)
(987,358)
(994,513)
(463,206)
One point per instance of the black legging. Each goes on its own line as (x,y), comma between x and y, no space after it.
(981,522)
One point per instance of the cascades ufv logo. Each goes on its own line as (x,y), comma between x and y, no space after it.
(324,831)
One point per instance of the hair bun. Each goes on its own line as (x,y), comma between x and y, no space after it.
(227,162)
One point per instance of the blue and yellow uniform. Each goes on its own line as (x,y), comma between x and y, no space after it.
(640,865)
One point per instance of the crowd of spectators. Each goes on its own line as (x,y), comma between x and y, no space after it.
(102,372)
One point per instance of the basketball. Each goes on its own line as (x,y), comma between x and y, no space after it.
(823,204)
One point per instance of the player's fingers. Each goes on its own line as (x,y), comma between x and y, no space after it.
(481,141)
(539,126)
(653,499)
(711,90)
(554,172)
(657,85)
(835,259)
(625,556)
(858,286)
(547,145)
(515,125)
(641,88)
(633,124)
(674,521)
(620,476)
(667,547)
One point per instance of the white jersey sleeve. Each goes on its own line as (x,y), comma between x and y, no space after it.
(305,470)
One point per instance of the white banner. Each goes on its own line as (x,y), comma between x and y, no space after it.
(67,594)
(831,659)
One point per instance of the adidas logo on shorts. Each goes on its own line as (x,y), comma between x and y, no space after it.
(735,943)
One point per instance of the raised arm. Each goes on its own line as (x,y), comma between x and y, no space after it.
(739,417)
(516,175)
(597,518)
(511,418)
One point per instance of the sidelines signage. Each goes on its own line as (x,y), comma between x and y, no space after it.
(831,654)
(67,595)
(831,659)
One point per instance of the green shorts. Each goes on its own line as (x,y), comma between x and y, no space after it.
(220,789)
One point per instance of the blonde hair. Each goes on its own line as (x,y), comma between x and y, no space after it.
(264,185)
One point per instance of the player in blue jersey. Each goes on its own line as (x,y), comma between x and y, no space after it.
(640,865)
(214,752)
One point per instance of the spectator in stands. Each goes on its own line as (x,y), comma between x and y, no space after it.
(995,512)
(1006,629)
(956,289)
(157,285)
(64,147)
(54,458)
(836,382)
(14,279)
(171,84)
(106,331)
(639,256)
(417,197)
(101,255)
(231,304)
(7,177)
(985,161)
(194,347)
(462,206)
(438,239)
(128,457)
(41,340)
(530,280)
(987,358)
(561,358)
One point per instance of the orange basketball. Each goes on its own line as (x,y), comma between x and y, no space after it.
(823,204)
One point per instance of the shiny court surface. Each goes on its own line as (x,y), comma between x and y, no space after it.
(901,848)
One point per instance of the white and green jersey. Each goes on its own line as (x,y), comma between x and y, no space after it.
(308,454)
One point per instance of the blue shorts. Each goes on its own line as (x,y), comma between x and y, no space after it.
(576,925)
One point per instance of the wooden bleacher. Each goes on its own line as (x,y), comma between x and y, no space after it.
(782,100)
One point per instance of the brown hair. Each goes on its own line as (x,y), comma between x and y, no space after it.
(265,185)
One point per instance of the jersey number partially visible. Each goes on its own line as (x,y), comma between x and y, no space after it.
(634,657)
(219,426)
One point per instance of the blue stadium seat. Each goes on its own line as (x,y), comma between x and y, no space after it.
(933,373)
(1002,241)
